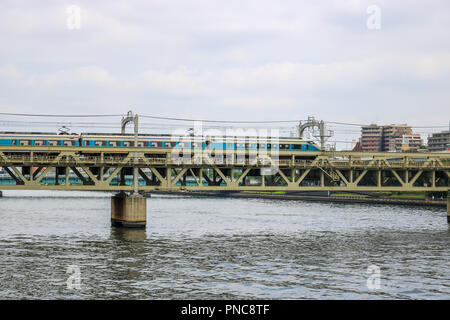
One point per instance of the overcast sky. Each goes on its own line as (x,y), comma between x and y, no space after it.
(233,60)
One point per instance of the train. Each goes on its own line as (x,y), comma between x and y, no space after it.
(153,141)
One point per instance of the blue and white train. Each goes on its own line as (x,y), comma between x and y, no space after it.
(110,140)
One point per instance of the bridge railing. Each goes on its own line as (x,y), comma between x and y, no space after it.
(93,160)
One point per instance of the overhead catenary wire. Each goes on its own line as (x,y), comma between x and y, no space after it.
(60,115)
(220,121)
(199,120)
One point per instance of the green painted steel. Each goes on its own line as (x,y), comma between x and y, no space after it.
(96,168)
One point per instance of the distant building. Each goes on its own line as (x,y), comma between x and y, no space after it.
(439,141)
(407,142)
(357,147)
(393,132)
(376,138)
(371,138)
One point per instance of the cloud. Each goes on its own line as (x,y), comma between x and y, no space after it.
(230,59)
(283,81)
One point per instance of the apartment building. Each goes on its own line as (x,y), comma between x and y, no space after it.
(372,138)
(394,137)
(438,142)
(407,142)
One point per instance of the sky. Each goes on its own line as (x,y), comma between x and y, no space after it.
(345,61)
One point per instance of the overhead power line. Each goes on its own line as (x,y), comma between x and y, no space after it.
(61,115)
(219,121)
(193,120)
(363,125)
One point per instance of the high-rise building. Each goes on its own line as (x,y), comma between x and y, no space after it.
(393,132)
(407,142)
(439,141)
(392,137)
(371,138)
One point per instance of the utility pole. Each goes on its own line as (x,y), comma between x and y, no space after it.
(135,119)
(311,122)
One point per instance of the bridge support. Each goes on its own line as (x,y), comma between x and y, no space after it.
(448,206)
(129,211)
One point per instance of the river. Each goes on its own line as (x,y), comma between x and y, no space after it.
(220,248)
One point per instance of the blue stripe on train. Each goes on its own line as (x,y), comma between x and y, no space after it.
(5,142)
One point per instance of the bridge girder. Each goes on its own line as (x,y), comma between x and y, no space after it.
(80,168)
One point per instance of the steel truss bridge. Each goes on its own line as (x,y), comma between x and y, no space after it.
(109,169)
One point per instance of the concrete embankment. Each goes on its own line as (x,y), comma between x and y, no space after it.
(306,197)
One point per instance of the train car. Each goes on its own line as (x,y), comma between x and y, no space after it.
(38,139)
(125,140)
(110,140)
(168,141)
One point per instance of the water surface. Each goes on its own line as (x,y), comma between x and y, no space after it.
(220,248)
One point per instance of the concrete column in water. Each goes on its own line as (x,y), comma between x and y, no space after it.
(129,211)
(448,206)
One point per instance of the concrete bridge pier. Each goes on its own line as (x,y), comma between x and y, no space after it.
(448,206)
(128,211)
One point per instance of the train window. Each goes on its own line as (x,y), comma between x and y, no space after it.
(196,144)
(169,144)
(297,146)
(140,143)
(68,143)
(53,143)
(113,143)
(128,143)
(307,147)
(39,142)
(284,147)
(100,143)
(156,144)
(25,142)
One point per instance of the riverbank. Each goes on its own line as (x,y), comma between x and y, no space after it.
(313,196)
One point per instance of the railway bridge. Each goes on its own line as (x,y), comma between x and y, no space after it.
(129,170)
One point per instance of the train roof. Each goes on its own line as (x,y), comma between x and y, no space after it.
(40,133)
(131,135)
(169,135)
(15,132)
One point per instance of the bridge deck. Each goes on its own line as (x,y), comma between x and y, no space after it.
(105,168)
